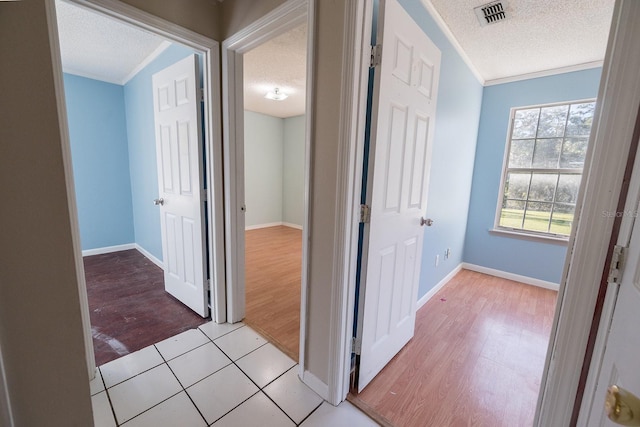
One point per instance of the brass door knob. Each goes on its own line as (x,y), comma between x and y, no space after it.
(622,407)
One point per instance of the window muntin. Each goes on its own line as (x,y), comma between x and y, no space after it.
(543,167)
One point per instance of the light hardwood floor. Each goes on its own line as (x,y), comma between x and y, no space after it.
(273,269)
(476,357)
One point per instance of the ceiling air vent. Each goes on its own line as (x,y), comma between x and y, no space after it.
(491,13)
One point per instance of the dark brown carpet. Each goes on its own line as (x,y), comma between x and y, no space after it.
(129,307)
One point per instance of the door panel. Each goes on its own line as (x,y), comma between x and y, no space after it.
(407,82)
(180,171)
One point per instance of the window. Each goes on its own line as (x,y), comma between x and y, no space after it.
(543,168)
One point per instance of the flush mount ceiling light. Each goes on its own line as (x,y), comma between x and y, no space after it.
(276,95)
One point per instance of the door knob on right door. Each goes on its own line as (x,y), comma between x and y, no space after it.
(428,222)
(622,406)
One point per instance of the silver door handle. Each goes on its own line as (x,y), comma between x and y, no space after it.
(158,202)
(428,222)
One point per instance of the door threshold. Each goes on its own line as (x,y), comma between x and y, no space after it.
(368,410)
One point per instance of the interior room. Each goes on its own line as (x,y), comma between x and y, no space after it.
(108,67)
(274,156)
(488,289)
(494,256)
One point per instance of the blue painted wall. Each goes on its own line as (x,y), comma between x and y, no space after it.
(539,260)
(263,168)
(138,100)
(100,158)
(457,116)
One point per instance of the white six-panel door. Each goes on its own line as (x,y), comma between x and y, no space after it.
(180,168)
(403,129)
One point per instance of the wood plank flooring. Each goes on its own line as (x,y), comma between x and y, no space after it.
(273,269)
(476,358)
(128,305)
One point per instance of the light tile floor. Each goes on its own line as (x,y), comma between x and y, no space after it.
(217,375)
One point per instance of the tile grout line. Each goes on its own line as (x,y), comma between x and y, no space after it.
(180,382)
(310,413)
(106,392)
(183,389)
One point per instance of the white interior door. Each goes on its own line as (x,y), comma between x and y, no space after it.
(180,167)
(403,133)
(621,360)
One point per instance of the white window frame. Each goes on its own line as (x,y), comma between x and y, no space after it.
(530,234)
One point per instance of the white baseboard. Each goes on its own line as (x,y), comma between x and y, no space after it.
(108,249)
(149,256)
(315,384)
(511,276)
(426,297)
(292,225)
(266,225)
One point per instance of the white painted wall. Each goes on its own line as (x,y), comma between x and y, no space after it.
(274,170)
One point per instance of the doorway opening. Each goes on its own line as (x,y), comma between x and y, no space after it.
(274,161)
(109,59)
(430,363)
(267,173)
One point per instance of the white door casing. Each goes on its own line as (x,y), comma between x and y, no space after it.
(179,156)
(621,363)
(402,138)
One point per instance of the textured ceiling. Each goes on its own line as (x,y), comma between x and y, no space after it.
(280,62)
(102,48)
(537,35)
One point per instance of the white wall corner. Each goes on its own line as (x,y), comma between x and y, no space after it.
(426,297)
(452,39)
(511,276)
(149,256)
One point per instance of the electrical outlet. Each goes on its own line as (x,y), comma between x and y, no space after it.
(447,253)
(437,260)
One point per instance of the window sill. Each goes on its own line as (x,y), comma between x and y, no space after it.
(530,236)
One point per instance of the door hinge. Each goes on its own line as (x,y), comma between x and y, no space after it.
(356,345)
(617,264)
(365,214)
(376,55)
(201,94)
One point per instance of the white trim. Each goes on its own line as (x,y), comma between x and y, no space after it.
(265,225)
(146,61)
(511,276)
(58,82)
(544,73)
(315,384)
(426,297)
(6,413)
(452,39)
(70,70)
(607,157)
(108,249)
(525,235)
(149,256)
(273,224)
(355,69)
(283,18)
(308,182)
(292,225)
(210,50)
(598,355)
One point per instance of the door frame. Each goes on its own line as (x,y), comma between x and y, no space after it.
(280,20)
(209,49)
(588,248)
